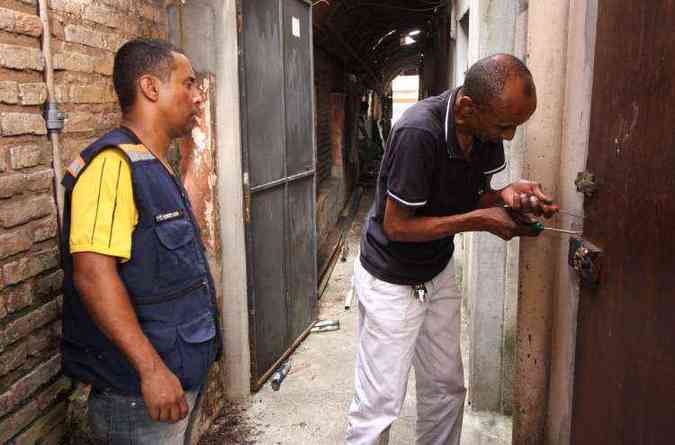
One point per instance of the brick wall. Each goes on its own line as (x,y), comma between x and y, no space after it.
(85,36)
(328,78)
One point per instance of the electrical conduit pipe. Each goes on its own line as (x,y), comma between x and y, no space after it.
(53,117)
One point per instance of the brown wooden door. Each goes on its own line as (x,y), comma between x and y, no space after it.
(624,388)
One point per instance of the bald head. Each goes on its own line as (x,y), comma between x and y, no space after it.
(486,80)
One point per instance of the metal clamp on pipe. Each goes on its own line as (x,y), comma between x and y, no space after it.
(54,118)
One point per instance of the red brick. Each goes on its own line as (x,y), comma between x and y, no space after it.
(103,16)
(21,57)
(23,156)
(104,65)
(7,19)
(21,211)
(61,93)
(10,426)
(28,24)
(107,120)
(10,185)
(52,393)
(12,243)
(33,93)
(13,358)
(79,121)
(29,383)
(44,339)
(122,5)
(45,229)
(40,180)
(56,27)
(20,23)
(9,92)
(43,428)
(90,94)
(72,147)
(17,421)
(22,326)
(22,123)
(69,6)
(17,297)
(89,37)
(47,285)
(24,268)
(149,11)
(73,61)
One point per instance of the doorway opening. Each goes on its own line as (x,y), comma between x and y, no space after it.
(405,93)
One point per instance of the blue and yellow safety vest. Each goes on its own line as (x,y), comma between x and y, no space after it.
(167,278)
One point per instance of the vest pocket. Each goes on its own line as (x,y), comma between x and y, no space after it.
(196,348)
(163,339)
(177,257)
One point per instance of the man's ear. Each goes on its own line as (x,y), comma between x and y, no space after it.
(149,86)
(466,108)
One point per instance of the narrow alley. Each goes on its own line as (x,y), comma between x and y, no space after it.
(258,128)
(311,406)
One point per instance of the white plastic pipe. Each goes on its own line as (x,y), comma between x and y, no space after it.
(57,162)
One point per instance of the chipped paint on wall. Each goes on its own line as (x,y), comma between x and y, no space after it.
(197,166)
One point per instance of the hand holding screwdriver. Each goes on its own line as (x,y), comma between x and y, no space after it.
(536,226)
(528,197)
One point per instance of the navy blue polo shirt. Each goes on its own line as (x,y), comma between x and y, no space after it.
(424,169)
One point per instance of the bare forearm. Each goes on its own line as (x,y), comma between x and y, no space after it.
(422,229)
(108,303)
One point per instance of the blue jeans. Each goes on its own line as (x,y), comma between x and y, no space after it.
(117,419)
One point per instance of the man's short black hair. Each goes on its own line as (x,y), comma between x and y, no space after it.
(139,57)
(485,80)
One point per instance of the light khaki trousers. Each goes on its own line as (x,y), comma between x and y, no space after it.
(397,331)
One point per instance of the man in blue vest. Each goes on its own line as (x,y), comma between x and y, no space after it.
(140,319)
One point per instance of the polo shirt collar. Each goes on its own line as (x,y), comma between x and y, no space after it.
(454,151)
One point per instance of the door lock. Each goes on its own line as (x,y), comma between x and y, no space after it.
(585,258)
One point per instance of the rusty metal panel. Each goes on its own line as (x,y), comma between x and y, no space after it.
(624,386)
(264,84)
(299,87)
(269,282)
(280,181)
(301,260)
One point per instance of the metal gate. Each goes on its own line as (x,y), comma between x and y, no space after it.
(277,107)
(624,379)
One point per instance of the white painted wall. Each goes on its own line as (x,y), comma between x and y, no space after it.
(237,359)
(547,59)
(576,122)
(490,265)
(210,38)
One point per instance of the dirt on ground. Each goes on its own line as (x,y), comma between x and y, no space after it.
(232,427)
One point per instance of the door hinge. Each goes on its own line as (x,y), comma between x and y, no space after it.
(240,23)
(247,207)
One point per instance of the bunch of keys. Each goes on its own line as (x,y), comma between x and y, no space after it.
(420,292)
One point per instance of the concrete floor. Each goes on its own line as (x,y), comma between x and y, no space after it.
(311,406)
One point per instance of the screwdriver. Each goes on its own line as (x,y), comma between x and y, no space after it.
(537,226)
(540,227)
